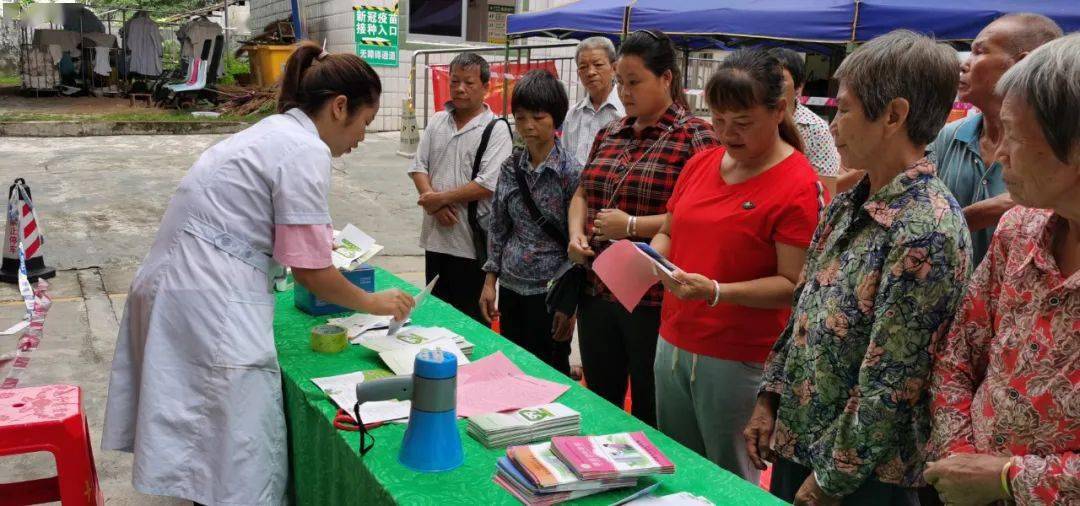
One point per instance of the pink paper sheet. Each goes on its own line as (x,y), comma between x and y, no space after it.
(494,383)
(626,271)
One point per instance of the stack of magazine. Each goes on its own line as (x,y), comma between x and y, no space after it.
(571,467)
(537,423)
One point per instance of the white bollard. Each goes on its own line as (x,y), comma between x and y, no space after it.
(410,136)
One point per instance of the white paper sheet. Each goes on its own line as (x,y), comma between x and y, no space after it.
(409,336)
(402,360)
(359,323)
(342,390)
(395,325)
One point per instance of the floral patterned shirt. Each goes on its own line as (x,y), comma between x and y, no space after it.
(883,277)
(1006,378)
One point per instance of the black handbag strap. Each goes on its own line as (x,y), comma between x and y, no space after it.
(537,215)
(484,138)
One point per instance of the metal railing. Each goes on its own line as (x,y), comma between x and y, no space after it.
(422,61)
(696,72)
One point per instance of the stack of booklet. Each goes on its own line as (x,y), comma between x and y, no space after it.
(495,430)
(352,247)
(536,477)
(614,455)
(570,467)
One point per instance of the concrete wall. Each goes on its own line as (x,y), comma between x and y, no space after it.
(331,20)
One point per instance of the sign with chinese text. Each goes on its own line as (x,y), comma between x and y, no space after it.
(496,25)
(376,31)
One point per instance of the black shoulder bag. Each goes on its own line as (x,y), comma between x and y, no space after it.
(479,233)
(565,287)
(537,215)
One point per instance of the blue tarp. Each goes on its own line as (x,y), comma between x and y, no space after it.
(581,18)
(953,19)
(821,21)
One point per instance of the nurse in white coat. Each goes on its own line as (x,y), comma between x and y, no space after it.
(195,390)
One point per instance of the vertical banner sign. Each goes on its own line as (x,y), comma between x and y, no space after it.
(496,23)
(376,31)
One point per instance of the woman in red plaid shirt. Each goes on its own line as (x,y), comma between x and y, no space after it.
(628,178)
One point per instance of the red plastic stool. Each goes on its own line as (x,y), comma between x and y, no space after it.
(49,418)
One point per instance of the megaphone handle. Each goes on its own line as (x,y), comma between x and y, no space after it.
(384,389)
(395,387)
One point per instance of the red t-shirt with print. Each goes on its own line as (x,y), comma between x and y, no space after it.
(728,232)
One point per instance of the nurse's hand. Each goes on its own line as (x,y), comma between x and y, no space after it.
(391,302)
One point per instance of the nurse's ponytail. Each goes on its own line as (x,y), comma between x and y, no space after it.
(313,76)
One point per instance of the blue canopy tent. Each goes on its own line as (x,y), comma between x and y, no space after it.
(960,21)
(572,21)
(698,23)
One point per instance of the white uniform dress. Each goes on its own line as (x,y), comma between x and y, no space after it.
(195,390)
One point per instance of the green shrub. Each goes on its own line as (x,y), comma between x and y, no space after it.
(234,66)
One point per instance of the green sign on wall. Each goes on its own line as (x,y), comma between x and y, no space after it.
(377,35)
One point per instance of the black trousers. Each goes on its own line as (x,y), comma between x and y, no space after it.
(460,282)
(614,344)
(525,321)
(788,476)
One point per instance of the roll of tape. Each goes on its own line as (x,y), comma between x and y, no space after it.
(329,338)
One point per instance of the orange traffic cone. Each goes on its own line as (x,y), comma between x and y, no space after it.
(23,226)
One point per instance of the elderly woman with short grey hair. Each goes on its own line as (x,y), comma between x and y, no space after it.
(595,59)
(844,400)
(1005,397)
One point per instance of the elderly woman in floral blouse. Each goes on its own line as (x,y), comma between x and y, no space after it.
(845,388)
(1006,402)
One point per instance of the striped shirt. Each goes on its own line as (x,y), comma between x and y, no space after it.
(446,155)
(583,122)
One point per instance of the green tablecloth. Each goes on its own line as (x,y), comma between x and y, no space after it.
(326,467)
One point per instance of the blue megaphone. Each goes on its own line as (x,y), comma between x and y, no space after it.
(432,442)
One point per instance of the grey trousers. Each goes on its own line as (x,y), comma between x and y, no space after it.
(704,403)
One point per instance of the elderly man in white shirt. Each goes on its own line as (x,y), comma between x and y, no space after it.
(442,173)
(596,69)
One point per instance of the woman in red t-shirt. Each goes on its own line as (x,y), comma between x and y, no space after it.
(740,219)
